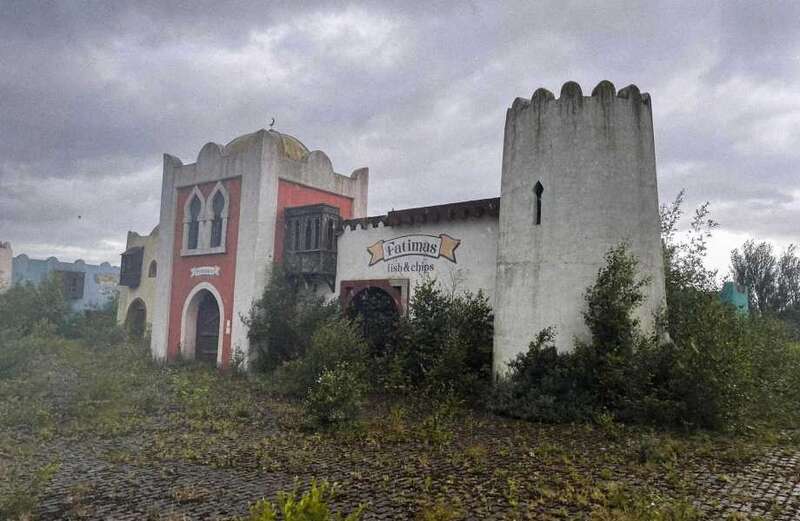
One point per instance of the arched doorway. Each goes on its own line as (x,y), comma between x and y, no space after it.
(201,332)
(377,314)
(207,334)
(136,319)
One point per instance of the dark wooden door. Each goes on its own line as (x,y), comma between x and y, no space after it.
(207,329)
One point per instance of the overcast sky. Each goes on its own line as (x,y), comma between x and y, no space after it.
(92,94)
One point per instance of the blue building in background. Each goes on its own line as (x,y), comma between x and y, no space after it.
(86,286)
(736,295)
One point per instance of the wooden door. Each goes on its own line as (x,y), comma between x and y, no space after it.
(207,329)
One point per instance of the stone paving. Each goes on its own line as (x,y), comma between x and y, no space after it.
(88,485)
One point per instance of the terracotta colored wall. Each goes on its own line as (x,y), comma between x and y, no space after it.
(293,194)
(183,282)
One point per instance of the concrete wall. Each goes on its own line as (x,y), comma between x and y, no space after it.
(100,281)
(6,256)
(147,285)
(475,257)
(594,156)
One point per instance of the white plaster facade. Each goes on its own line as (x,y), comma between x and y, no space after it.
(473,267)
(595,159)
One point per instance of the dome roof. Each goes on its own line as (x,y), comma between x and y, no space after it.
(293,148)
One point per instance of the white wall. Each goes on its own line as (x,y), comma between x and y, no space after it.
(473,270)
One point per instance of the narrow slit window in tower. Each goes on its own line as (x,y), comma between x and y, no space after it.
(537,190)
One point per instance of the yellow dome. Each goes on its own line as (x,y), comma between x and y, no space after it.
(292,147)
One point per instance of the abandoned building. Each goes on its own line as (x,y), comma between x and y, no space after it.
(578,177)
(85,286)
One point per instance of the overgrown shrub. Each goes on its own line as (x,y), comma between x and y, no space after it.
(445,343)
(336,397)
(24,305)
(334,342)
(283,321)
(542,385)
(310,506)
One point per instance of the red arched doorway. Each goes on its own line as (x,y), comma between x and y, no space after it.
(376,311)
(207,335)
(201,334)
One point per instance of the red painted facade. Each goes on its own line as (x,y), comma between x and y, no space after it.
(183,282)
(294,194)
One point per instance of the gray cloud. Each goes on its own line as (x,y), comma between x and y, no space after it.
(91,94)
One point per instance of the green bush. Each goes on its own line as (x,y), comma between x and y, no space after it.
(310,506)
(25,305)
(282,322)
(445,343)
(335,341)
(542,385)
(336,397)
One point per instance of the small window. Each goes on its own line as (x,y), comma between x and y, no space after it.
(538,190)
(194,223)
(316,233)
(152,271)
(309,231)
(73,282)
(331,238)
(217,205)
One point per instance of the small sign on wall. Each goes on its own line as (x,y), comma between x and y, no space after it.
(206,271)
(433,246)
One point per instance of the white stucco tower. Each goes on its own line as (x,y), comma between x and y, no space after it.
(579,177)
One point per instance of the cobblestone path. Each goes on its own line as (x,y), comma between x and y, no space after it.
(90,486)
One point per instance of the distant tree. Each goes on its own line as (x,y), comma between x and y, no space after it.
(773,282)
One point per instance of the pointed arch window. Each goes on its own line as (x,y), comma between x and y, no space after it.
(152,271)
(538,190)
(217,206)
(194,223)
(205,221)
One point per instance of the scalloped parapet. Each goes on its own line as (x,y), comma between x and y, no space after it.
(571,94)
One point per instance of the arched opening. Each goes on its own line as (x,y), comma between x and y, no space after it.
(136,319)
(152,271)
(201,332)
(377,314)
(207,334)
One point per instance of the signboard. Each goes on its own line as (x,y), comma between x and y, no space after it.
(205,271)
(431,246)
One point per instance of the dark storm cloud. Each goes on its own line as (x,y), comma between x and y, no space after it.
(91,94)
